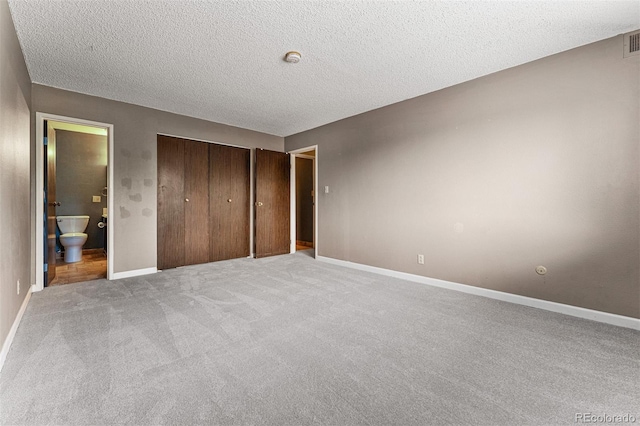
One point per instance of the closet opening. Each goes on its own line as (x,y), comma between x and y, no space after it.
(304,206)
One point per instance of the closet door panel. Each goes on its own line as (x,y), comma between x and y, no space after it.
(240,209)
(171,215)
(196,203)
(229,197)
(272,233)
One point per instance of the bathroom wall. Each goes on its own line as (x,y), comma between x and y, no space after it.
(15,101)
(135,163)
(534,165)
(81,173)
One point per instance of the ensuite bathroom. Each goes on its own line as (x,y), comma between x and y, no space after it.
(76,202)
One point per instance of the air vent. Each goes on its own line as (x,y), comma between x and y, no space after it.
(632,44)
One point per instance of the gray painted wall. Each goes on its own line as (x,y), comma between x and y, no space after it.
(135,133)
(535,165)
(81,173)
(304,200)
(15,245)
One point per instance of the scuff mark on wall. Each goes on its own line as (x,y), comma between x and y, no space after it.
(124,213)
(136,197)
(147,212)
(126,182)
(148,182)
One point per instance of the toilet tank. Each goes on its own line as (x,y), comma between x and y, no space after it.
(69,224)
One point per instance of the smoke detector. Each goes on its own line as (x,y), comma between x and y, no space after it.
(293,57)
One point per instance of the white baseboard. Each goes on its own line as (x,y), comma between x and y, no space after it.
(12,332)
(134,273)
(575,311)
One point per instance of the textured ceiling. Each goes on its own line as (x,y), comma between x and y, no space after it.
(222,60)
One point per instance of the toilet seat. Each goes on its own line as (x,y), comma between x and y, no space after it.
(73,234)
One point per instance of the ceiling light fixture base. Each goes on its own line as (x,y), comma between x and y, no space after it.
(293,57)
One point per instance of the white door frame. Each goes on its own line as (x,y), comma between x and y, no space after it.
(296,153)
(39,193)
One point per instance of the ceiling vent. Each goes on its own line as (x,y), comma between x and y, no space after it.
(632,44)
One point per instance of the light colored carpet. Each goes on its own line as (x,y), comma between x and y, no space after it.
(291,341)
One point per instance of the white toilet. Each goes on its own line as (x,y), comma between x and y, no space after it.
(72,236)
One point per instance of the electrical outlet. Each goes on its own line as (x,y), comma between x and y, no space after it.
(18,287)
(421,259)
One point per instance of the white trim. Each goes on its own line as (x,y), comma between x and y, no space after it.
(39,193)
(295,153)
(134,273)
(39,202)
(292,205)
(12,332)
(316,201)
(575,311)
(111,209)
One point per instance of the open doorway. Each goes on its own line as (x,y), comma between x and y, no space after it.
(304,211)
(73,173)
(76,203)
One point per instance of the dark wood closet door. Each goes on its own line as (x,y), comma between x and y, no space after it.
(196,202)
(229,195)
(171,214)
(273,234)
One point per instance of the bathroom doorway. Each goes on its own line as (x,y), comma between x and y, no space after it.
(304,211)
(73,173)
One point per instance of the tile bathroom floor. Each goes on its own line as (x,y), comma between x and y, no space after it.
(92,267)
